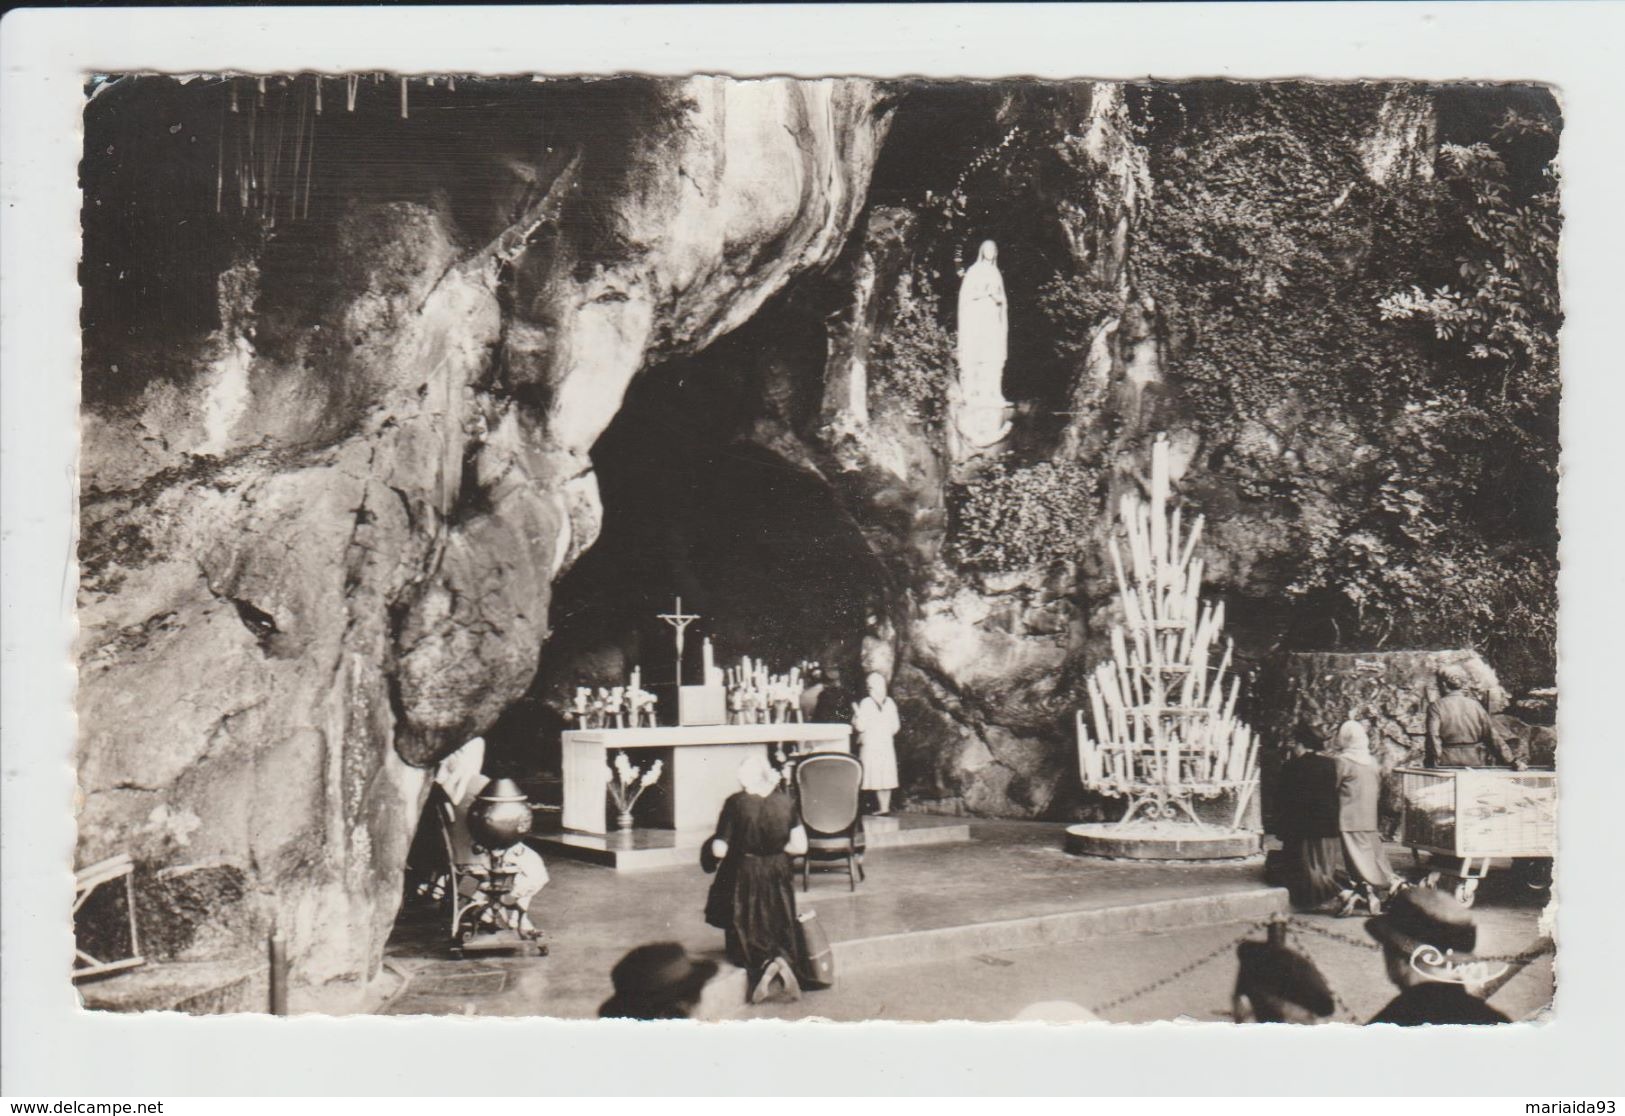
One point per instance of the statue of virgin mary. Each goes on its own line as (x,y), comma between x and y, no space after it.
(983,343)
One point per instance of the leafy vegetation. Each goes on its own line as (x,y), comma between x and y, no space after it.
(913,357)
(1418,320)
(1369,360)
(1016,518)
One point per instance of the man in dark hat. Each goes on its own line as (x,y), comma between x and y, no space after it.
(1276,984)
(1427,943)
(1459,730)
(659,981)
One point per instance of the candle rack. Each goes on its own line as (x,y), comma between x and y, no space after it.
(1164,719)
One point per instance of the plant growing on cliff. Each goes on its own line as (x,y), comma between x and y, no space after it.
(913,358)
(1074,307)
(1375,359)
(1503,308)
(1010,519)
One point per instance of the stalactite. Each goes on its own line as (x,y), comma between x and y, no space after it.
(242,176)
(318,84)
(251,155)
(220,164)
(403,98)
(298,155)
(351,83)
(274,162)
(310,166)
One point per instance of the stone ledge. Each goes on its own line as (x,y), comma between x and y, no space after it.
(1107,840)
(1055,929)
(193,987)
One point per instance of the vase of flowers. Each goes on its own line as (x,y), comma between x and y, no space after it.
(626,783)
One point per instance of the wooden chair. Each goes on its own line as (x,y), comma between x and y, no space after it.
(828,785)
(463,868)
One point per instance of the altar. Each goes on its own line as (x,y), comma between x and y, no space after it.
(700,774)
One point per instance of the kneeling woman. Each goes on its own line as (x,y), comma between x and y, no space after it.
(752,898)
(1369,877)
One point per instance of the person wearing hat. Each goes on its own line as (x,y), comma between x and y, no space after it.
(659,981)
(1459,730)
(1427,943)
(1276,984)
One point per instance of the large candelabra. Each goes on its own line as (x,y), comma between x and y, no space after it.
(1165,729)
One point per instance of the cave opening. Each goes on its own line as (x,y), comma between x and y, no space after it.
(759,546)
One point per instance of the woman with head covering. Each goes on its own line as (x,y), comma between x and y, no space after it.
(984,326)
(752,898)
(1359,782)
(876,723)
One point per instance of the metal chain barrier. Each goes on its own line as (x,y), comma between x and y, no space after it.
(1517,962)
(1314,928)
(1541,948)
(1181,972)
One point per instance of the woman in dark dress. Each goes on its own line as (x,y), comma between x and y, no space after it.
(752,898)
(1310,827)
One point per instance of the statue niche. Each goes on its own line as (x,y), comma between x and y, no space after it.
(978,403)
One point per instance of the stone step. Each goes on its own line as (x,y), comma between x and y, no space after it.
(646,849)
(857,955)
(976,938)
(195,987)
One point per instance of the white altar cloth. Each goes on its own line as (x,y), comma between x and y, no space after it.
(702,773)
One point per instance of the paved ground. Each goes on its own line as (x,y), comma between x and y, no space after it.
(1095,974)
(1009,871)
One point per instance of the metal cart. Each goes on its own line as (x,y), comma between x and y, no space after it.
(1475,815)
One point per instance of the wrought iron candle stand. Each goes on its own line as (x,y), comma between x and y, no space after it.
(1165,726)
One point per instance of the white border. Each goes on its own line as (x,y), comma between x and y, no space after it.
(47,1047)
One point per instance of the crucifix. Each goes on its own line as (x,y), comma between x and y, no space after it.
(679,620)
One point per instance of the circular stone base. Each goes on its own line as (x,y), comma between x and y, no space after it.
(1160,842)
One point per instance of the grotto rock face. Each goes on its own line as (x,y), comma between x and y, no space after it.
(1310,694)
(317,550)
(987,660)
(323,524)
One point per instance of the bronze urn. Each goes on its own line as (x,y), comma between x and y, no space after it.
(500,816)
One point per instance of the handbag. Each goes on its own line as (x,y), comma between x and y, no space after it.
(815,948)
